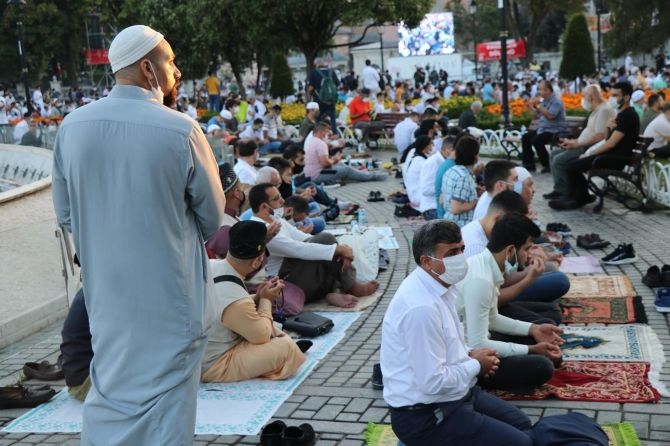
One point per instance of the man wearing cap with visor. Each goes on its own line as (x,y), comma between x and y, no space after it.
(244,343)
(137,185)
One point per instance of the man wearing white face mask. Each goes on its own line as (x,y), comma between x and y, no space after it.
(137,184)
(528,350)
(594,133)
(429,372)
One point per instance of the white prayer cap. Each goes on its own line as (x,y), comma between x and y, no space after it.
(225,114)
(131,44)
(637,95)
(312,106)
(523,173)
(212,128)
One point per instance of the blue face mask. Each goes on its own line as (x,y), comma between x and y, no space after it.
(512,268)
(518,187)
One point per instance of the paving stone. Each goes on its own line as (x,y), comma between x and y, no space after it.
(358,405)
(313,403)
(660,422)
(605,417)
(328,412)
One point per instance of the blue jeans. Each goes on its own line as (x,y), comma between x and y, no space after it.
(271,147)
(546,288)
(214,102)
(477,419)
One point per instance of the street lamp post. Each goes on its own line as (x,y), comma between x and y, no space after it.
(503,61)
(381,47)
(600,9)
(473,12)
(22,58)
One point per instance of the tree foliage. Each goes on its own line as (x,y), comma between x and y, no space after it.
(640,28)
(281,84)
(578,58)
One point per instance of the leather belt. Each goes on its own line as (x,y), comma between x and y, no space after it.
(415,407)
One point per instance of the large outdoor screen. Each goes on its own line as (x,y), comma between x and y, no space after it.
(435,35)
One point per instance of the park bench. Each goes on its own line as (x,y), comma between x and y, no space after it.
(511,143)
(388,122)
(624,185)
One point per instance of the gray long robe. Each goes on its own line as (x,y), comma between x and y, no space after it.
(138,185)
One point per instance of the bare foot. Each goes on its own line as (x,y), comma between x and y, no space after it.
(341,300)
(364,289)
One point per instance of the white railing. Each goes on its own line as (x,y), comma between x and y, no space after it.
(657,181)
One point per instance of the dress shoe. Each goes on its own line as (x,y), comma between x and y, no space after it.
(302,435)
(304,344)
(565,204)
(377,379)
(553,195)
(273,433)
(44,371)
(20,396)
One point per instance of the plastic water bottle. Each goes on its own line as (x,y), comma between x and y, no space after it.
(523,129)
(353,227)
(361,216)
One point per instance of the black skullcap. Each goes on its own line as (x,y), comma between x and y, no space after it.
(247,239)
(228,176)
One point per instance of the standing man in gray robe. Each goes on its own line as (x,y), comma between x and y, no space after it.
(138,186)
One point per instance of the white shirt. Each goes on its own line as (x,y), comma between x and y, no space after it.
(474,237)
(482,207)
(370,78)
(424,358)
(413,179)
(659,129)
(290,242)
(20,129)
(408,160)
(246,173)
(403,134)
(256,111)
(477,305)
(250,133)
(427,182)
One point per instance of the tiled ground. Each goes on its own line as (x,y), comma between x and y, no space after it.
(337,398)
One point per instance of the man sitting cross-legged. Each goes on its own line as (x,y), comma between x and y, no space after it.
(316,264)
(244,343)
(528,350)
(429,372)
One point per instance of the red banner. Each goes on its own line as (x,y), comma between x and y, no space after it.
(486,51)
(96,57)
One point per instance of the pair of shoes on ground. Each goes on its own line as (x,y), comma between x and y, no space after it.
(566,204)
(553,195)
(623,254)
(591,241)
(375,195)
(278,433)
(657,277)
(662,300)
(24,396)
(406,211)
(561,228)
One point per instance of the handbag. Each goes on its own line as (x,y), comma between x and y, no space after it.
(308,324)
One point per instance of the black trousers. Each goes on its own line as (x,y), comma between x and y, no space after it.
(535,140)
(579,186)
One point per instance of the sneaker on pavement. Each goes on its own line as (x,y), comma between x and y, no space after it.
(662,300)
(623,254)
(377,382)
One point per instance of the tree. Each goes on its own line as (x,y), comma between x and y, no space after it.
(527,16)
(310,26)
(578,58)
(487,22)
(282,78)
(641,28)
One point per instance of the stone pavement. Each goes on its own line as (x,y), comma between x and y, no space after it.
(337,398)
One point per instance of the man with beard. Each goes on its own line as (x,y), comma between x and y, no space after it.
(136,183)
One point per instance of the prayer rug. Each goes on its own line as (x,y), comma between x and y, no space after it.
(363,303)
(619,434)
(581,265)
(600,286)
(602,381)
(240,408)
(603,310)
(342,219)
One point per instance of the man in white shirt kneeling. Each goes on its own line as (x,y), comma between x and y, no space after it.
(429,372)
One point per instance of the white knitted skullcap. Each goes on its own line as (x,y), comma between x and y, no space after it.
(131,44)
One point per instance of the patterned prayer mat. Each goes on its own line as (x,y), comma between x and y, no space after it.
(600,286)
(602,381)
(342,219)
(604,310)
(619,434)
(240,408)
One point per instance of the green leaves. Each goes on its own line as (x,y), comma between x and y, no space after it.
(578,58)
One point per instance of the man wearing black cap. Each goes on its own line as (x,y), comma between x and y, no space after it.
(246,344)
